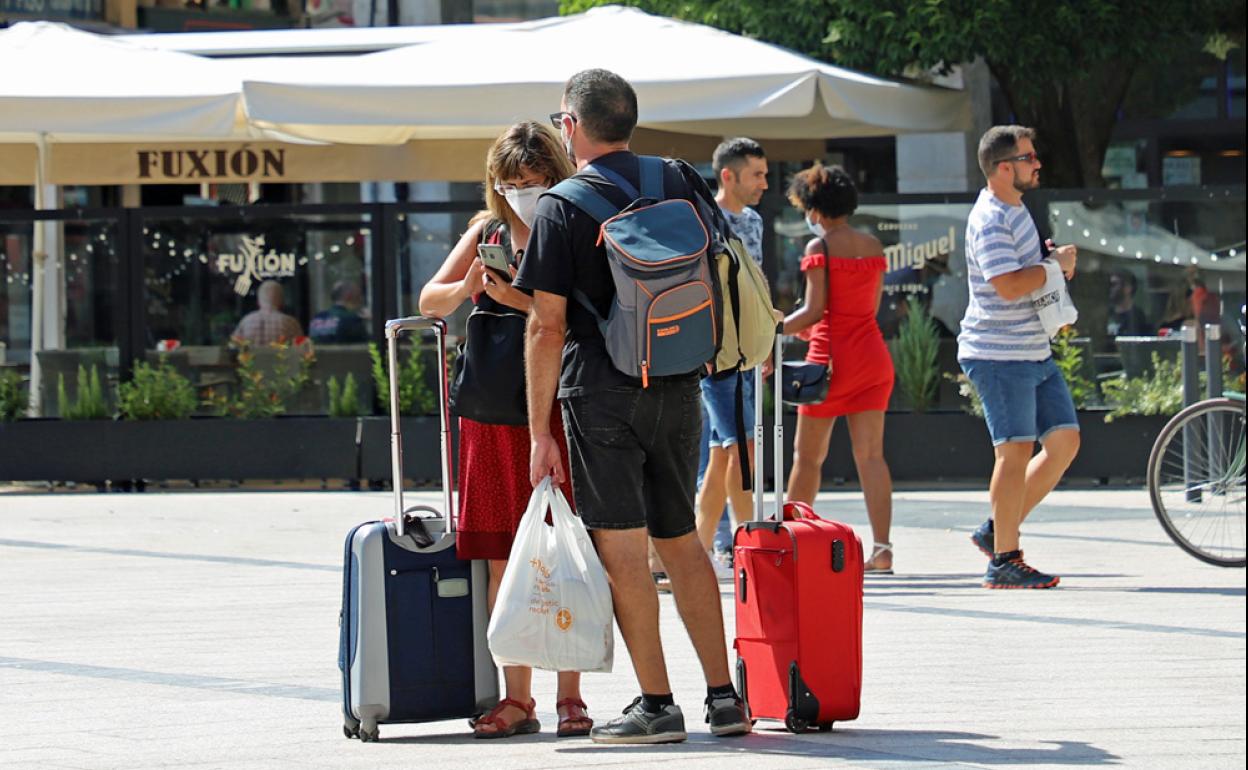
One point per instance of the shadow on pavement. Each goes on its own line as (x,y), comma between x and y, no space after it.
(895,746)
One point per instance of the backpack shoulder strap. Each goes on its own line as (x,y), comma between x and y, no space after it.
(625,186)
(650,169)
(581,194)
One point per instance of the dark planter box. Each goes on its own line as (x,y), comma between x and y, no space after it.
(954,446)
(198,448)
(422,463)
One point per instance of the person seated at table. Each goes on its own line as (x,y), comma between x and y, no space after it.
(341,322)
(268,324)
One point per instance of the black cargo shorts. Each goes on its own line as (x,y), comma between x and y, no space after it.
(633,453)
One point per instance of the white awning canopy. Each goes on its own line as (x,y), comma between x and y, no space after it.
(689,78)
(73,86)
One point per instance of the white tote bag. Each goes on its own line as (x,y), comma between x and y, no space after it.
(553,609)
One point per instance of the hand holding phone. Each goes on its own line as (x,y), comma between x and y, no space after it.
(494,256)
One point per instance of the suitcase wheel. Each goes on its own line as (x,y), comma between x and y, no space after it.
(369,732)
(795,724)
(825,727)
(351,732)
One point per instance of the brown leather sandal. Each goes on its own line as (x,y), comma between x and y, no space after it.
(502,729)
(573,726)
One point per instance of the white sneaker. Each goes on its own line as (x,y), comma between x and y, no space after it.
(723,570)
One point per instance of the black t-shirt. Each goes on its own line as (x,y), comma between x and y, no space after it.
(564,255)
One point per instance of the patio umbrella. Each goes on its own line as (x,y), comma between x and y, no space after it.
(125,92)
(689,79)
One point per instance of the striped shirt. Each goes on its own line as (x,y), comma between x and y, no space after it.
(1000,239)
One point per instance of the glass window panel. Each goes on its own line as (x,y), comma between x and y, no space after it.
(203,279)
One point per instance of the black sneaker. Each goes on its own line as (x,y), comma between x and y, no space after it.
(640,726)
(727,716)
(984,539)
(1016,573)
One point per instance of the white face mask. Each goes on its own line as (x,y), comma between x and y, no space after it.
(816,228)
(524,202)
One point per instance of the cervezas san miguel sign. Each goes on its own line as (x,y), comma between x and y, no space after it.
(252,264)
(211,163)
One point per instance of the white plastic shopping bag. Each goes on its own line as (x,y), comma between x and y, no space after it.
(553,609)
(1052,301)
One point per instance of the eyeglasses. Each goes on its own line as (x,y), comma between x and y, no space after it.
(1030,157)
(503,189)
(556,119)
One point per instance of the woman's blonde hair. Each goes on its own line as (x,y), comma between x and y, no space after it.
(527,145)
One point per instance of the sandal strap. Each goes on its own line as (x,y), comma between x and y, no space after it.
(879,548)
(495,716)
(572,702)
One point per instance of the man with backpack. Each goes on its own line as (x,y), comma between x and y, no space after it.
(740,167)
(629,391)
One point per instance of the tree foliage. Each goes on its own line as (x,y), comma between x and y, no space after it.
(1064,66)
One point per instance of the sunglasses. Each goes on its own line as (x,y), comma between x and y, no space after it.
(1030,157)
(556,119)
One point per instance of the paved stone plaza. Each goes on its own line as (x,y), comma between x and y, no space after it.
(200,629)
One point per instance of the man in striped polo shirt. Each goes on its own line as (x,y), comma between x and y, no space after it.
(1005,352)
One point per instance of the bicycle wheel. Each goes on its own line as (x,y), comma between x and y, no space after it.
(1196,481)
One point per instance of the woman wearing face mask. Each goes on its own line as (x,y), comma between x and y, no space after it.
(494,486)
(844,281)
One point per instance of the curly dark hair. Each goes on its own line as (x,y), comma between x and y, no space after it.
(826,189)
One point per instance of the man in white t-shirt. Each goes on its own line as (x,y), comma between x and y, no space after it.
(740,166)
(1005,352)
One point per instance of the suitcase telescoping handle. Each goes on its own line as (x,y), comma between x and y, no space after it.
(394,328)
(777,435)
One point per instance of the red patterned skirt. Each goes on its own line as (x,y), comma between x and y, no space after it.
(494,488)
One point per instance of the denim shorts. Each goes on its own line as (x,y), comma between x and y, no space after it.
(1023,400)
(633,453)
(719,399)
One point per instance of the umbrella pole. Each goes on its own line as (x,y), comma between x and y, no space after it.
(39,256)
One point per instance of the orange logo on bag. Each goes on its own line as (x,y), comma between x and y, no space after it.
(563,619)
(668,331)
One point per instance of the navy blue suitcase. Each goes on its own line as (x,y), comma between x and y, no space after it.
(412,646)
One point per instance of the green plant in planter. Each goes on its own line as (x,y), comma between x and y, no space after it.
(1162,393)
(260,395)
(966,389)
(415,397)
(344,400)
(88,403)
(156,393)
(13,397)
(915,349)
(1069,359)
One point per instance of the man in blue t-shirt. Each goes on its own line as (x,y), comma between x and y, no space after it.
(740,167)
(1005,352)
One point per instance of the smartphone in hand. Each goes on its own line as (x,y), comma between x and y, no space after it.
(494,257)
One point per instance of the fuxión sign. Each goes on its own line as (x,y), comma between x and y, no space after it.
(244,162)
(253,264)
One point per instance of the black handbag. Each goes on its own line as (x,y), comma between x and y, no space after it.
(489,371)
(804,382)
(488,384)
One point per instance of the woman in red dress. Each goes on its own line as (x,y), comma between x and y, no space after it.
(494,486)
(844,281)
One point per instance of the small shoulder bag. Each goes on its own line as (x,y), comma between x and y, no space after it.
(489,378)
(804,382)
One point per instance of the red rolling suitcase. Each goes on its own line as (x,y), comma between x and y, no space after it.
(798,581)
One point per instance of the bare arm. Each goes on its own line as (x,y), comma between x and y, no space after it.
(1020,283)
(459,277)
(814,303)
(543,355)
